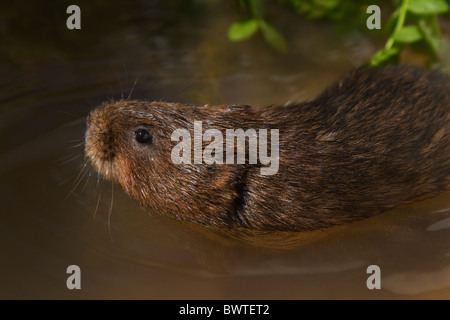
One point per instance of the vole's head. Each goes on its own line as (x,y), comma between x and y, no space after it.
(129,142)
(118,134)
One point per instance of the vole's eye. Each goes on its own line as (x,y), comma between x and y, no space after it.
(143,136)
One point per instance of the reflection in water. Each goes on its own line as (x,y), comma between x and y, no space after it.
(48,223)
(443,224)
(416,282)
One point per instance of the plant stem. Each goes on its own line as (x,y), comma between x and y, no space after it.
(255,8)
(399,25)
(430,39)
(436,28)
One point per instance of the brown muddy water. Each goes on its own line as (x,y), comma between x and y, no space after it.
(51,77)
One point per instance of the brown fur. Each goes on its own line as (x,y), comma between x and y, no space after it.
(376,139)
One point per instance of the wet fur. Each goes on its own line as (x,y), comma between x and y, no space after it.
(376,139)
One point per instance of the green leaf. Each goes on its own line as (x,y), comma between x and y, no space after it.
(408,34)
(425,7)
(383,56)
(241,30)
(273,37)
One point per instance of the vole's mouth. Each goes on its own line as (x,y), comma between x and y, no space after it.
(107,168)
(101,155)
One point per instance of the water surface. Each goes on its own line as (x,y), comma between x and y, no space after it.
(51,77)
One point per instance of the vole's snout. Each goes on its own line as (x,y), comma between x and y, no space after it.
(108,150)
(99,140)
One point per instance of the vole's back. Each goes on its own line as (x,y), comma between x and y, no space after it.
(374,140)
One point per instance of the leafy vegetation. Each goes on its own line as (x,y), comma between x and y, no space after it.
(411,22)
(244,29)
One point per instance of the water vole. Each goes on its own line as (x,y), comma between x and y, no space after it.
(376,139)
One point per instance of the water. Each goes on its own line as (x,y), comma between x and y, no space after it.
(51,77)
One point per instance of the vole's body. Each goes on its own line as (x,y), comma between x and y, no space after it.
(376,139)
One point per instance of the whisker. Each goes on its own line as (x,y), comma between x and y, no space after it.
(83,166)
(98,202)
(131,91)
(79,178)
(87,180)
(110,212)
(65,181)
(75,140)
(72,177)
(78,145)
(177,94)
(64,160)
